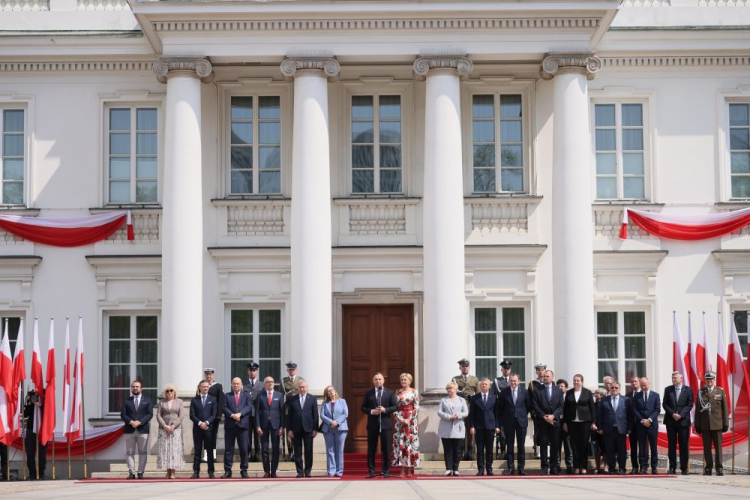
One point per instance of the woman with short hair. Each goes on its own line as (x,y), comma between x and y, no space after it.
(451,429)
(171,451)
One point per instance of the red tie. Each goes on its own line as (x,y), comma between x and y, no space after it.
(270,398)
(236,398)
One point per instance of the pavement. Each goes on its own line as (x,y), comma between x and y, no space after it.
(542,488)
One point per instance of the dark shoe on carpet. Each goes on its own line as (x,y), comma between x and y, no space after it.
(211,475)
(243,474)
(654,471)
(521,473)
(719,472)
(554,473)
(195,475)
(226,475)
(706,472)
(684,473)
(300,475)
(140,475)
(386,474)
(671,471)
(370,475)
(267,475)
(480,473)
(634,471)
(509,472)
(273,474)
(490,473)
(569,471)
(545,472)
(308,474)
(131,476)
(642,472)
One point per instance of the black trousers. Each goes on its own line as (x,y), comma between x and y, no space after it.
(241,436)
(633,437)
(647,441)
(616,448)
(269,433)
(564,446)
(214,433)
(515,436)
(485,439)
(385,449)
(580,433)
(678,435)
(30,441)
(549,435)
(299,439)
(254,441)
(3,462)
(202,440)
(452,451)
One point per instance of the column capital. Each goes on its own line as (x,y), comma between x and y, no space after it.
(328,65)
(456,62)
(196,67)
(557,62)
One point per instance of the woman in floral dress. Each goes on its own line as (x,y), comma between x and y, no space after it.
(406,435)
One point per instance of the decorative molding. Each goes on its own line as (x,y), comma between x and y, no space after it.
(458,62)
(327,65)
(646,3)
(555,62)
(608,220)
(724,3)
(6,67)
(256,217)
(18,269)
(191,66)
(24,5)
(102,5)
(505,215)
(674,61)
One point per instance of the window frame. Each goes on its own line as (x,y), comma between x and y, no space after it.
(650,358)
(25,182)
(741,335)
(500,332)
(256,309)
(729,149)
(12,342)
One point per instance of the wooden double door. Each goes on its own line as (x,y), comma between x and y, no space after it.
(376,338)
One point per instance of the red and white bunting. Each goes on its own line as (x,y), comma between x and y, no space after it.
(685,227)
(70,232)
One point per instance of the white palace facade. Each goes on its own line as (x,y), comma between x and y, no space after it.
(364,186)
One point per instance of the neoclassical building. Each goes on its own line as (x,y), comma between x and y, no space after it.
(365,186)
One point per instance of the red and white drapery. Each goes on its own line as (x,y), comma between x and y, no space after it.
(97,439)
(71,232)
(685,227)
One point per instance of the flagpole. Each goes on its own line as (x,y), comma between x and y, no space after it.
(70,475)
(21,429)
(83,413)
(7,462)
(65,417)
(733,407)
(54,427)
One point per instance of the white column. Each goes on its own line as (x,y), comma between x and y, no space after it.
(311,328)
(181,345)
(445,334)
(572,226)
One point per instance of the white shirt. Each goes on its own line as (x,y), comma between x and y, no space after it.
(577,395)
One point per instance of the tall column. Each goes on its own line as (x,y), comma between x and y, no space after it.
(443,219)
(572,226)
(182,225)
(311,329)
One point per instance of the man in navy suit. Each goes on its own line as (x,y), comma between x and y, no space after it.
(302,426)
(484,417)
(515,405)
(203,408)
(136,413)
(647,406)
(548,403)
(270,423)
(678,401)
(254,385)
(614,419)
(237,410)
(379,403)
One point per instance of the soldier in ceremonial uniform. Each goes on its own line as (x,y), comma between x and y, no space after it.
(537,383)
(468,385)
(501,382)
(290,389)
(216,390)
(253,385)
(711,421)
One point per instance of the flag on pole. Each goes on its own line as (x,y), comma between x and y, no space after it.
(693,380)
(50,412)
(699,349)
(680,359)
(77,409)
(36,375)
(6,389)
(722,374)
(66,382)
(741,390)
(708,359)
(19,375)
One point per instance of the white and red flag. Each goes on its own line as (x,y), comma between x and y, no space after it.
(66,382)
(69,232)
(740,394)
(722,372)
(685,227)
(36,375)
(693,380)
(19,375)
(708,360)
(76,415)
(50,411)
(680,359)
(6,390)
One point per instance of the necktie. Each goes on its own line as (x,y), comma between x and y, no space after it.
(203,401)
(645,397)
(380,394)
(236,398)
(484,398)
(677,391)
(137,402)
(514,396)
(549,392)
(252,384)
(302,402)
(614,404)
(270,398)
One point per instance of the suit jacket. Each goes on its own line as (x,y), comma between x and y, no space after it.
(340,414)
(500,384)
(484,416)
(302,419)
(217,391)
(254,390)
(448,428)
(272,414)
(681,406)
(584,406)
(607,419)
(518,413)
(388,400)
(166,417)
(548,406)
(643,409)
(244,409)
(200,413)
(715,419)
(143,415)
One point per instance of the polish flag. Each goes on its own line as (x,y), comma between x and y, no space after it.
(693,380)
(722,374)
(66,381)
(36,375)
(680,359)
(76,414)
(741,391)
(700,355)
(19,375)
(6,390)
(50,412)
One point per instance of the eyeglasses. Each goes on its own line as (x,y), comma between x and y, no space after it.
(169,390)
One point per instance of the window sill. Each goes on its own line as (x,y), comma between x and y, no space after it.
(109,208)
(519,195)
(734,203)
(372,196)
(251,197)
(622,203)
(19,210)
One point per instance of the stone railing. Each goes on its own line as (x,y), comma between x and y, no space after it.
(256,217)
(724,3)
(608,220)
(146,228)
(103,5)
(721,207)
(376,216)
(23,5)
(646,3)
(500,215)
(7,238)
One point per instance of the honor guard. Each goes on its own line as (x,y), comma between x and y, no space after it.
(711,421)
(290,389)
(468,385)
(501,382)
(216,390)
(254,386)
(535,384)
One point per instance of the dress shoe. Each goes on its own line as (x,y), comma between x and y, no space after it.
(455,473)
(131,476)
(267,475)
(386,474)
(634,471)
(642,472)
(226,475)
(273,474)
(706,472)
(300,475)
(521,473)
(671,471)
(622,472)
(308,474)
(243,474)
(569,471)
(684,473)
(554,472)
(510,472)
(719,472)
(545,472)
(195,475)
(653,471)
(480,473)
(211,475)
(140,475)
(503,456)
(370,475)
(490,473)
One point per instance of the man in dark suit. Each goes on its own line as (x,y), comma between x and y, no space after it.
(217,391)
(136,412)
(614,420)
(678,401)
(33,409)
(647,406)
(237,412)
(302,426)
(379,403)
(254,385)
(548,403)
(501,382)
(484,424)
(270,423)
(515,404)
(635,385)
(203,408)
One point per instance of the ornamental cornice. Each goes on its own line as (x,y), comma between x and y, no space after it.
(458,63)
(557,62)
(674,61)
(191,66)
(328,65)
(74,66)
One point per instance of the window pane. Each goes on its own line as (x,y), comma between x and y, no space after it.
(146,351)
(606,323)
(606,187)
(270,182)
(145,167)
(484,156)
(363,181)
(608,368)
(362,157)
(242,108)
(390,181)
(738,115)
(605,115)
(632,115)
(146,374)
(363,132)
(510,106)
(740,322)
(146,119)
(270,157)
(634,368)
(146,327)
(117,399)
(486,344)
(269,367)
(390,132)
(13,145)
(484,131)
(119,351)
(485,319)
(242,346)
(739,138)
(242,321)
(632,163)
(270,133)
(605,140)
(362,106)
(242,133)
(270,107)
(519,367)
(511,179)
(13,193)
(487,367)
(13,120)
(635,323)
(13,169)
(242,182)
(119,327)
(270,321)
(119,168)
(484,180)
(511,156)
(390,156)
(740,163)
(741,187)
(119,192)
(242,157)
(145,192)
(632,187)
(605,163)
(513,319)
(510,131)
(483,106)
(270,346)
(513,344)
(119,144)
(607,347)
(632,139)
(119,119)
(390,106)
(635,347)
(238,368)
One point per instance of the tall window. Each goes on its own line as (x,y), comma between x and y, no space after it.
(741,322)
(620,151)
(133,155)
(133,345)
(621,344)
(14,323)
(499,333)
(12,153)
(255,336)
(255,145)
(376,144)
(497,133)
(739,145)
